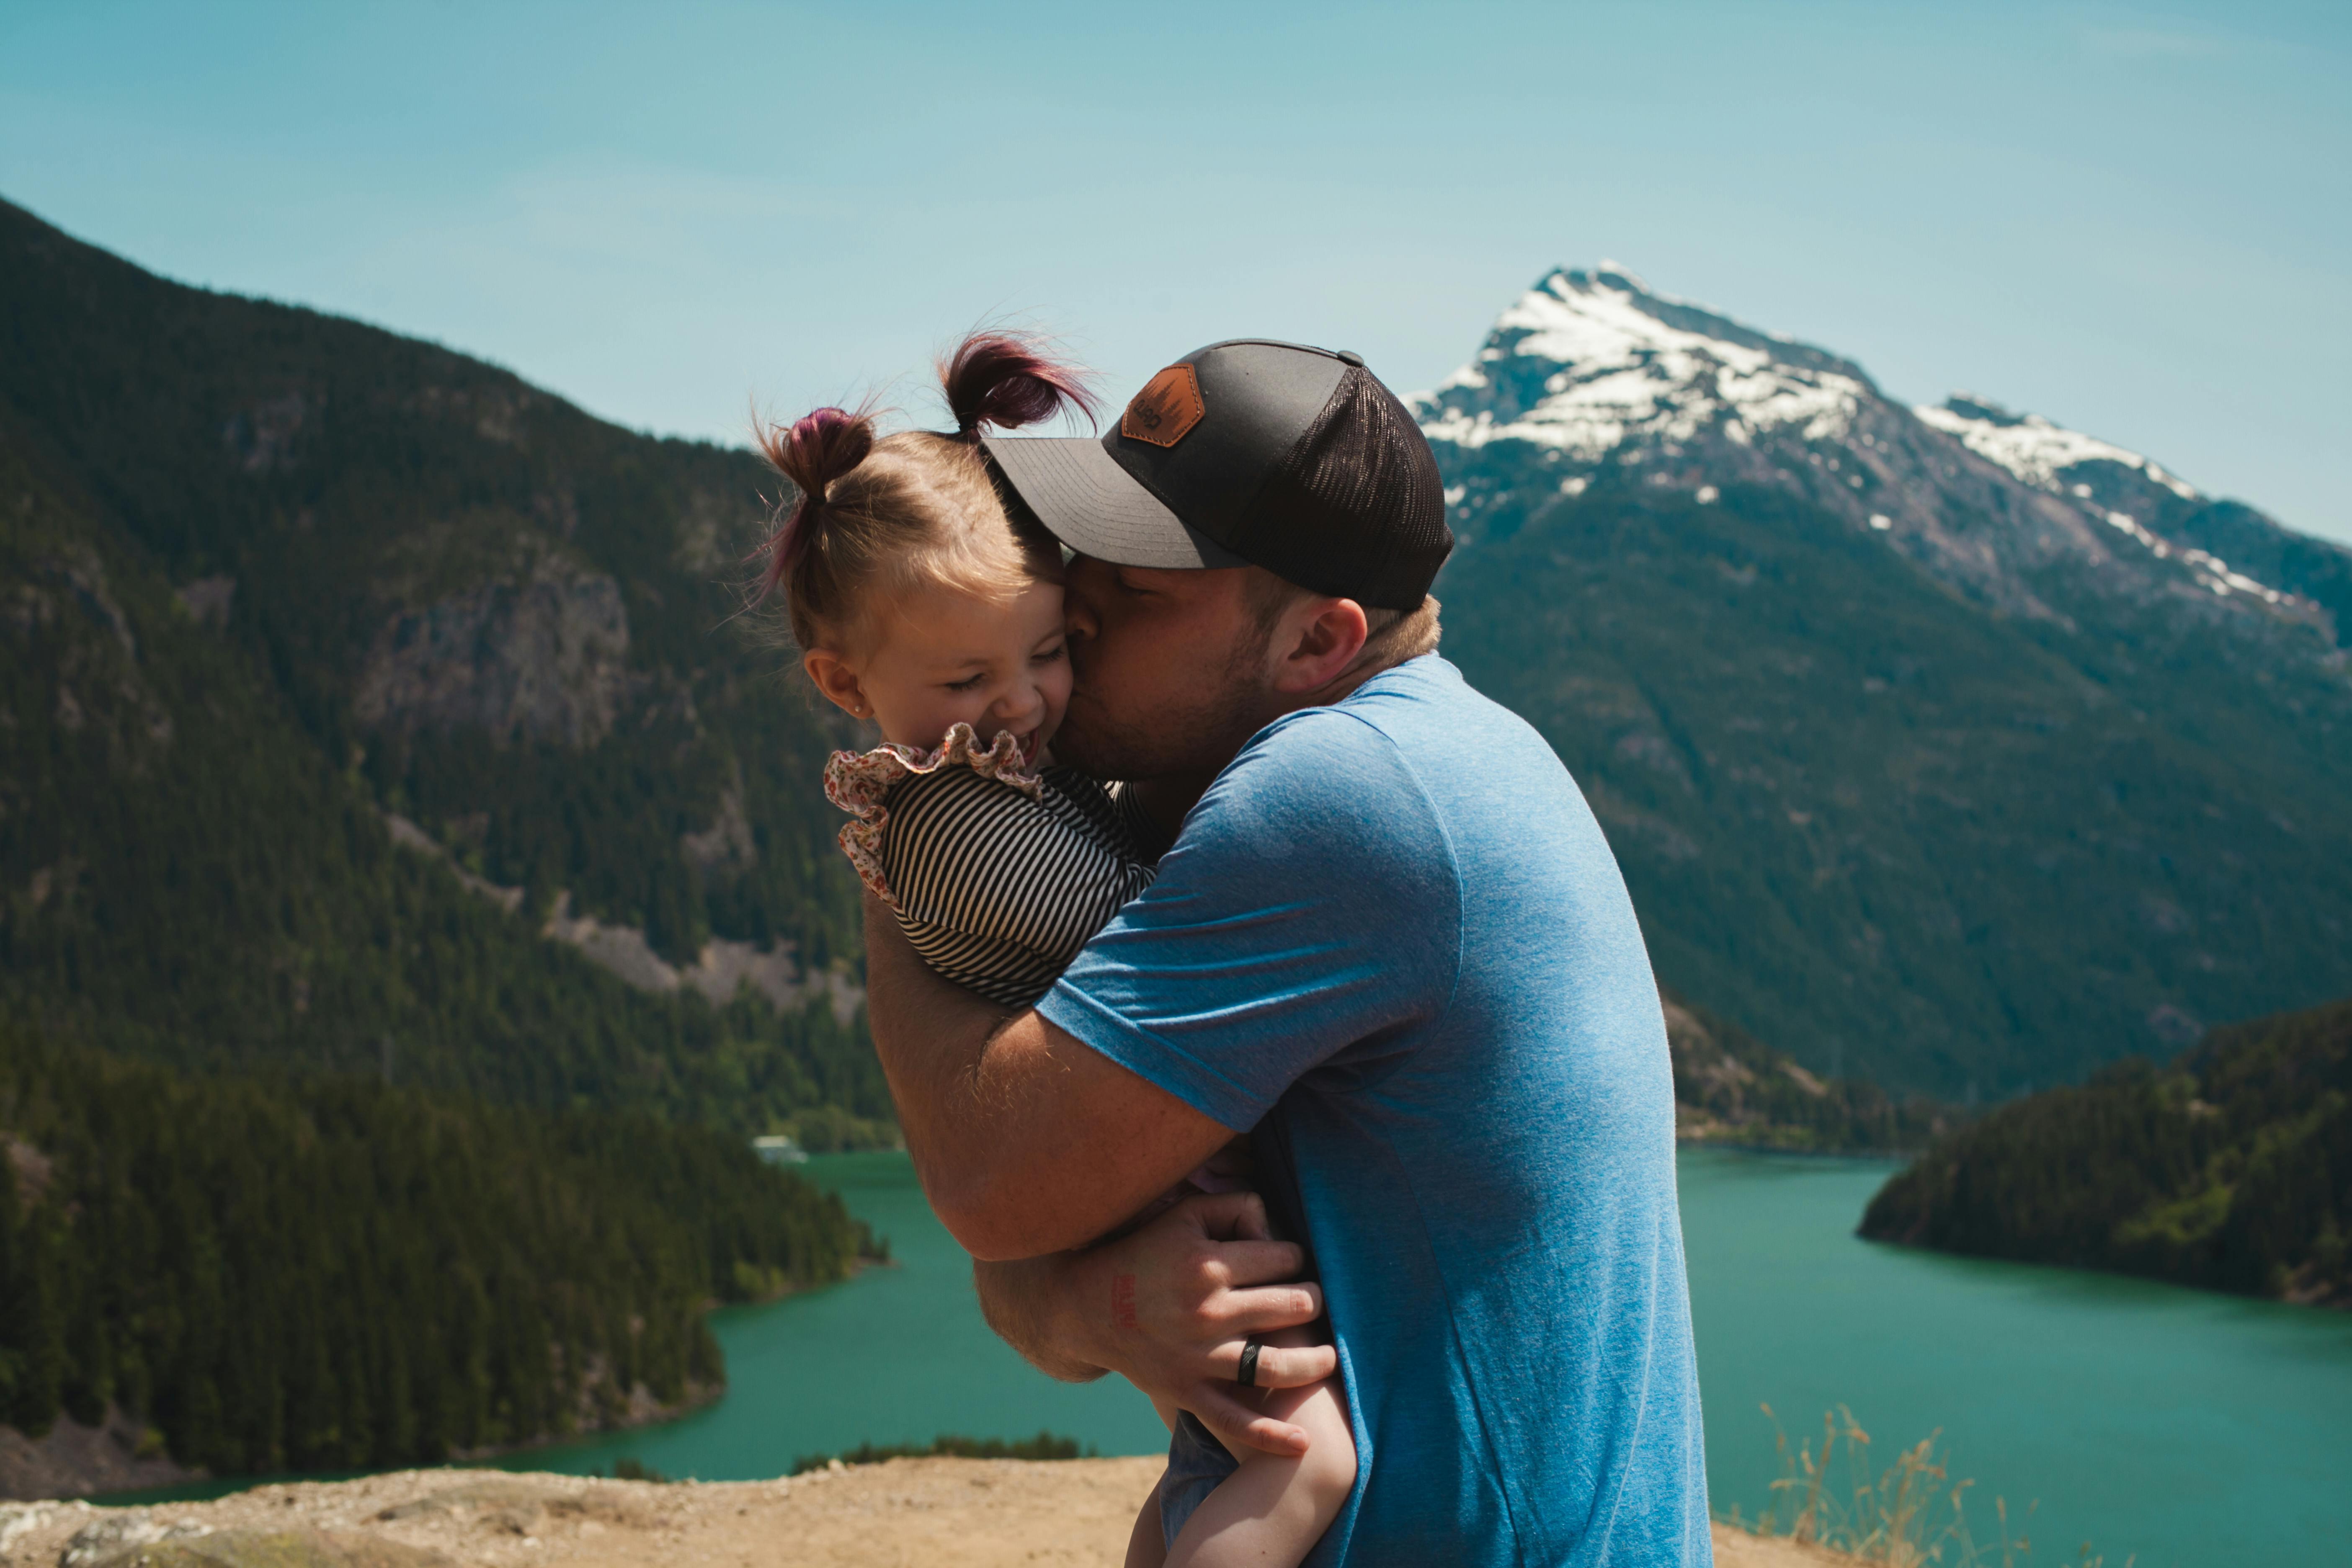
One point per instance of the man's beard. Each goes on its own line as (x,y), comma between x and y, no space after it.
(1198,736)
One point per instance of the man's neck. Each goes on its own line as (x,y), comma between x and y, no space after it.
(1169,797)
(1166,800)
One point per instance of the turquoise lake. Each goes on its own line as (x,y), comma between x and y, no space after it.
(2155,1423)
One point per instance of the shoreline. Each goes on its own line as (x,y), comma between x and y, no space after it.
(969,1513)
(1700,1140)
(100,1465)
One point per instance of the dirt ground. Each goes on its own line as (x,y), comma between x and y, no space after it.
(968,1513)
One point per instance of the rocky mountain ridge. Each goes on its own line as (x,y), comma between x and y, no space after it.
(1946,742)
(1920,766)
(292,608)
(1590,371)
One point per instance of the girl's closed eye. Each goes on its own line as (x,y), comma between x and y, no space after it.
(918,601)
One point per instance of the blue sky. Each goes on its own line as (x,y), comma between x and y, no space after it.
(2135,220)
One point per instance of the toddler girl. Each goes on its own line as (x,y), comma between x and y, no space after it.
(921,602)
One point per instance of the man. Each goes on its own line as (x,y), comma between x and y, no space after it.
(1390,941)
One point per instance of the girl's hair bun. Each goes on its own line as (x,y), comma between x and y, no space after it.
(915,506)
(1007,380)
(819,448)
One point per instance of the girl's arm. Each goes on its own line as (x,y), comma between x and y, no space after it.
(1168,1309)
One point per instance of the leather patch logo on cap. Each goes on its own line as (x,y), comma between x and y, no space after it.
(1167,408)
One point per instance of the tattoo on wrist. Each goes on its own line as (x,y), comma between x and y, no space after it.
(1122,1300)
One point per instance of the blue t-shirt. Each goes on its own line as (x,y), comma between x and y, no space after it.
(1392,939)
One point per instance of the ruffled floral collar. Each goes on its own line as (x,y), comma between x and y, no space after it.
(857,781)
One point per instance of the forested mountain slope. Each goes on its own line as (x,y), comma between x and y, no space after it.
(280,1274)
(266,577)
(2230,1169)
(1943,745)
(1732,1089)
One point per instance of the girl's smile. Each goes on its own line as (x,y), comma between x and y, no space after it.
(938,657)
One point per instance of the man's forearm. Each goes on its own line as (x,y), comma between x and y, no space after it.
(1026,1303)
(1027,1140)
(929,1033)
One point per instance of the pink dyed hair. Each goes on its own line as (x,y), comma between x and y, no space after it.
(869,506)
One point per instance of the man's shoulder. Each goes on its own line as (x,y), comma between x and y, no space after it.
(1393,708)
(1420,717)
(1343,781)
(1349,751)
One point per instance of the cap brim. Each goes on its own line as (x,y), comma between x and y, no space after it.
(1096,508)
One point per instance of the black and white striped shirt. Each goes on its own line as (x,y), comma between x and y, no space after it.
(998,892)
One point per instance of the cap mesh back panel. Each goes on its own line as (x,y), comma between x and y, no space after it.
(1356,506)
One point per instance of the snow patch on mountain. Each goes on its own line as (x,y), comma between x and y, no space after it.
(1618,371)
(2209,570)
(2045,456)
(2031,446)
(1590,380)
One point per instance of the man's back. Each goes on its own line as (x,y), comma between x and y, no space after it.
(1392,937)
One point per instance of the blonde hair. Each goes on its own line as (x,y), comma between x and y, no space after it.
(877,516)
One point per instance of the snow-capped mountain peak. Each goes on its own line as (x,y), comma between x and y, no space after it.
(1591,382)
(2033,449)
(1587,361)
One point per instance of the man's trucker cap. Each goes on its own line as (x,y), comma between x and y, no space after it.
(1266,454)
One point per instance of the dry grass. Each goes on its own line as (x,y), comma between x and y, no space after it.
(1907,1515)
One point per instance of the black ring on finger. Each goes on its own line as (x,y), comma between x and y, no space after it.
(1248,1378)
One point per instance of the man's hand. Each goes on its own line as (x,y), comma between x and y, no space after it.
(1169,1309)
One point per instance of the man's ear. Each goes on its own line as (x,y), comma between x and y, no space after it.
(835,677)
(1323,638)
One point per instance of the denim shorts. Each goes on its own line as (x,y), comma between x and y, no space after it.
(1196,1463)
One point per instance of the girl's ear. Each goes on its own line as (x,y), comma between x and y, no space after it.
(837,680)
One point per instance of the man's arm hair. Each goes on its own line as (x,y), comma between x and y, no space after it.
(1027,1140)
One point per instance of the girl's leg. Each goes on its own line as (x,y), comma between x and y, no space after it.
(1271,1511)
(1147,1544)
